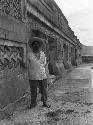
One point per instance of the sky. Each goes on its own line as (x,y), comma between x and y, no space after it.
(79,14)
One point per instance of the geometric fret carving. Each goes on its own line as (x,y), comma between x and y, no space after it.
(10,56)
(11,7)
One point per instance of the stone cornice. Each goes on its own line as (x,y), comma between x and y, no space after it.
(33,11)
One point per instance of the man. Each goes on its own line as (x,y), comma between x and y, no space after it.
(36,62)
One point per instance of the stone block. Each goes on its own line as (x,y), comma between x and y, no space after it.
(12,88)
(2,115)
(13,30)
(17,37)
(6,23)
(2,33)
(6,112)
(19,28)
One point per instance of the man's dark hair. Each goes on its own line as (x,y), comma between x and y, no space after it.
(35,46)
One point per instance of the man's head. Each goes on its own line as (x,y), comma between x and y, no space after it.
(35,44)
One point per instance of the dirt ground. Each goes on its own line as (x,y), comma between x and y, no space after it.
(71,102)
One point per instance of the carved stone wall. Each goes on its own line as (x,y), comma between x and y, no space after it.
(13,77)
(34,24)
(11,8)
(13,39)
(10,57)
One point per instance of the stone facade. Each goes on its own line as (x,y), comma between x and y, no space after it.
(13,78)
(21,20)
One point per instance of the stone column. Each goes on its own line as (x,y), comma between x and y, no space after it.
(60,55)
(69,56)
(78,54)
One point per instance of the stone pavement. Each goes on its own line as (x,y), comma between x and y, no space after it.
(71,102)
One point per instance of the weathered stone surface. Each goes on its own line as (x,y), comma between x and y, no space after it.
(13,30)
(11,8)
(13,89)
(61,68)
(13,79)
(16,32)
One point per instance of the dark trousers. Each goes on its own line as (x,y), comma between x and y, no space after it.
(42,84)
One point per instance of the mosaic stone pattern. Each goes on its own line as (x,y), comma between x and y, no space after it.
(10,57)
(11,8)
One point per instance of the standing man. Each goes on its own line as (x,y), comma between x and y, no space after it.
(36,63)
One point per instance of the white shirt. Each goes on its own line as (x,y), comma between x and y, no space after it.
(36,67)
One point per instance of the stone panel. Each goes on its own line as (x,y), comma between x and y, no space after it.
(13,78)
(11,8)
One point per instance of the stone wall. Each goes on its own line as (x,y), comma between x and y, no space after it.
(20,22)
(13,78)
(11,8)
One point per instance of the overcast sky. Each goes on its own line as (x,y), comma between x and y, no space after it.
(79,14)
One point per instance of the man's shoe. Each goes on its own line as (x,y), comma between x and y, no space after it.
(32,106)
(46,105)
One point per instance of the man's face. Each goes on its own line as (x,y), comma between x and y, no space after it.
(35,48)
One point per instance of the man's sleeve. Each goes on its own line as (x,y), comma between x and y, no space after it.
(43,59)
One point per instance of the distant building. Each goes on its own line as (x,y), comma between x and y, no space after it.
(87,54)
(21,20)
